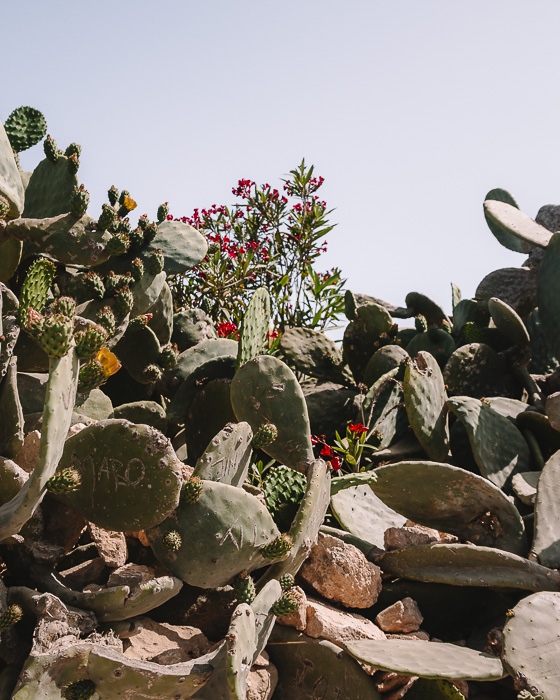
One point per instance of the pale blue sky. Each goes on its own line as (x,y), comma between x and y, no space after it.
(411,109)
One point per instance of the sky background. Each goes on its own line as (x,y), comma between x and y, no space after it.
(410,109)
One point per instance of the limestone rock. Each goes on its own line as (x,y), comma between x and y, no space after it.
(401,617)
(340,572)
(327,622)
(262,679)
(110,545)
(29,451)
(130,575)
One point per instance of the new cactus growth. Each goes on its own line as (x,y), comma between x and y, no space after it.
(244,588)
(278,548)
(10,616)
(64,481)
(285,605)
(79,690)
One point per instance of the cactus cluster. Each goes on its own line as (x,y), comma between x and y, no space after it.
(132,417)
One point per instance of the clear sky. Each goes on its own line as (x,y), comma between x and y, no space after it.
(411,109)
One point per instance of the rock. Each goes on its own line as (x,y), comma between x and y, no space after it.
(29,451)
(327,622)
(419,634)
(552,408)
(403,616)
(297,619)
(340,572)
(130,575)
(387,681)
(402,537)
(110,545)
(89,571)
(166,644)
(262,679)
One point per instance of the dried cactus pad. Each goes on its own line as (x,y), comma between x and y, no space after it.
(130,476)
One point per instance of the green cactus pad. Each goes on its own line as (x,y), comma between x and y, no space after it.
(315,355)
(548,293)
(191,326)
(227,457)
(117,676)
(384,410)
(254,326)
(382,361)
(64,237)
(306,665)
(182,246)
(131,478)
(25,127)
(283,490)
(499,448)
(416,657)
(241,645)
(11,185)
(546,544)
(506,238)
(306,524)
(424,398)
(50,189)
(146,412)
(434,689)
(515,286)
(507,321)
(11,413)
(452,500)
(532,644)
(137,350)
(221,533)
(468,565)
(57,414)
(516,224)
(208,359)
(265,390)
(474,370)
(421,304)
(362,513)
(436,341)
(361,334)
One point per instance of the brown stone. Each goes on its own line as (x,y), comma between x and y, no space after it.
(419,634)
(86,572)
(28,453)
(386,681)
(401,617)
(297,619)
(130,575)
(110,545)
(340,572)
(262,679)
(402,537)
(166,644)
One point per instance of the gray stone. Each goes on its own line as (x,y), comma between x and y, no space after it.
(327,622)
(401,617)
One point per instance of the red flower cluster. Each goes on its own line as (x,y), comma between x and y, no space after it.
(227,329)
(243,188)
(357,428)
(327,452)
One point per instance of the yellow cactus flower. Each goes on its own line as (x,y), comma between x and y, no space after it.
(129,203)
(109,361)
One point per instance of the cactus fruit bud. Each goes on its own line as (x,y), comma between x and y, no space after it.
(172,540)
(124,300)
(79,690)
(244,588)
(55,336)
(73,149)
(113,195)
(113,282)
(162,212)
(278,548)
(79,201)
(122,226)
(117,244)
(107,217)
(149,233)
(106,318)
(156,261)
(97,371)
(35,287)
(137,269)
(152,373)
(34,323)
(191,490)
(420,323)
(286,582)
(136,238)
(94,285)
(73,163)
(65,306)
(64,481)
(9,616)
(266,434)
(51,150)
(4,207)
(284,605)
(139,322)
(90,340)
(168,356)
